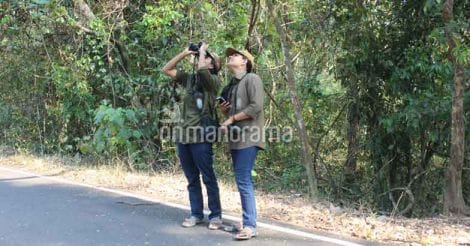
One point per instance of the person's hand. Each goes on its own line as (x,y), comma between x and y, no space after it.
(203,48)
(226,123)
(187,52)
(225,107)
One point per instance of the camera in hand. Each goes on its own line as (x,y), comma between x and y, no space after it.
(195,47)
(220,100)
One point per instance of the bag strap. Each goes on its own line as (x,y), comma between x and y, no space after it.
(212,112)
(234,92)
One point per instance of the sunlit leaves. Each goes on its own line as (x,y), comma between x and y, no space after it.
(116,130)
(159,21)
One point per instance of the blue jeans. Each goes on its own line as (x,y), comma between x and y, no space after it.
(196,160)
(243,163)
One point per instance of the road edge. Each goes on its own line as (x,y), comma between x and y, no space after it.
(278,228)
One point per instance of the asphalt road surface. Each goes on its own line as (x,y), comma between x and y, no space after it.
(36,210)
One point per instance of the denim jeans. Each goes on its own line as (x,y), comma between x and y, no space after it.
(196,160)
(243,163)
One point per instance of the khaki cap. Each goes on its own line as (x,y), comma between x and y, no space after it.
(245,53)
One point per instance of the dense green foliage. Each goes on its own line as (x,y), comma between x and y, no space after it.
(375,69)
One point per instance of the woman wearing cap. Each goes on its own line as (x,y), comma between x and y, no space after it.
(244,107)
(194,152)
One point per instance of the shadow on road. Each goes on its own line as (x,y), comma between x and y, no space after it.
(36,211)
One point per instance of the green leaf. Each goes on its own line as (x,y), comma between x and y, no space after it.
(131,115)
(136,134)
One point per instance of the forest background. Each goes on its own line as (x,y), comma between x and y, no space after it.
(375,90)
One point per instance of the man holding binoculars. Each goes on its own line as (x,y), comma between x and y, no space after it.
(195,153)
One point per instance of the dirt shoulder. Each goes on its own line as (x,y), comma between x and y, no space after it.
(294,210)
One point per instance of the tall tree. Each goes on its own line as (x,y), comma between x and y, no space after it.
(353,128)
(306,157)
(453,196)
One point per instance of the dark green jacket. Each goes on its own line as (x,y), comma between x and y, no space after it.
(191,115)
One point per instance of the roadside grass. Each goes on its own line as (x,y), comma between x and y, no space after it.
(170,186)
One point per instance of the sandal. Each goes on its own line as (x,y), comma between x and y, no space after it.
(246,233)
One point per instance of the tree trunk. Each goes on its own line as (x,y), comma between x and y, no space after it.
(353,127)
(83,12)
(453,196)
(306,158)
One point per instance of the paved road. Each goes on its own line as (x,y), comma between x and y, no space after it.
(39,211)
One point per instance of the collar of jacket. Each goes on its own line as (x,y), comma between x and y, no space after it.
(240,76)
(237,78)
